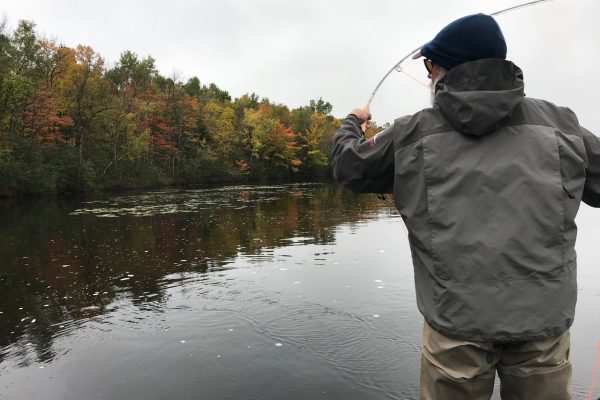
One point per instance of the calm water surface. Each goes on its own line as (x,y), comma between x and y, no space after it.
(300,291)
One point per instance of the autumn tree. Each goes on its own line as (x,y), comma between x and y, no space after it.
(270,140)
(320,106)
(316,140)
(87,94)
(67,123)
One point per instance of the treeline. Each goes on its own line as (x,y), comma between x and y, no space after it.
(68,123)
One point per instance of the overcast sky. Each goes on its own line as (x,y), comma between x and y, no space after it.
(292,51)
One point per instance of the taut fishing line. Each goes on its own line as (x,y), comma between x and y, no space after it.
(399,65)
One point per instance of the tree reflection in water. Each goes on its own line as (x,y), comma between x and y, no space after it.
(66,261)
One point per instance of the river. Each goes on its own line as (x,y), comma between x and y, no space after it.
(299,291)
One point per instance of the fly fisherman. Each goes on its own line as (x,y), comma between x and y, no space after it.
(488,183)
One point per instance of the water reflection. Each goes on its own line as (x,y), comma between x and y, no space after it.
(67,262)
(288,291)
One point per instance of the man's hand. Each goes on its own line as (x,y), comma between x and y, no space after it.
(364,117)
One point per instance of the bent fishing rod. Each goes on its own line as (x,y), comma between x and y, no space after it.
(398,66)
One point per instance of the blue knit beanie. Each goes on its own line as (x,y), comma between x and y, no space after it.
(468,38)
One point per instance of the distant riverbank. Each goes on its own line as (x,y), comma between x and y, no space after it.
(69,124)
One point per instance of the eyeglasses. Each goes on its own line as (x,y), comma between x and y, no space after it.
(428,65)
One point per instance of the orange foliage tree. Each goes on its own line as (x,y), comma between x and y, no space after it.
(61,110)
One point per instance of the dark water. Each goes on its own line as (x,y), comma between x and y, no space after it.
(256,292)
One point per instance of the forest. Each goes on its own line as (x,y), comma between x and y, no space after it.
(69,123)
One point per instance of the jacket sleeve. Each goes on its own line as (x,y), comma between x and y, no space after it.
(363,165)
(591,191)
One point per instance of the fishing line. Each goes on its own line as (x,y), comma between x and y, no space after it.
(398,66)
(403,71)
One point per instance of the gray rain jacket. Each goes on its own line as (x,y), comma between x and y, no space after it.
(488,183)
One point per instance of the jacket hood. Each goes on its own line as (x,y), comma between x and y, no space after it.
(476,96)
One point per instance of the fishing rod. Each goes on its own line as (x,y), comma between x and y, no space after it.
(398,66)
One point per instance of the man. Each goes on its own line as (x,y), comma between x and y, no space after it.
(488,182)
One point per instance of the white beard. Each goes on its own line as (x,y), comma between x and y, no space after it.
(432,84)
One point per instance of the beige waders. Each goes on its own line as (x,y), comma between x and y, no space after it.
(453,369)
